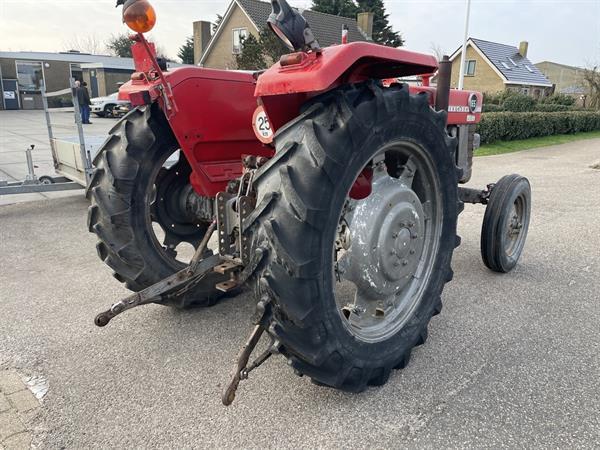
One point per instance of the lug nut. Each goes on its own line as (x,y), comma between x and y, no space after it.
(405,263)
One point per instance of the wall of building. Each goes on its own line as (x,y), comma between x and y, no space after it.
(485,78)
(56,75)
(221,53)
(562,76)
(112,77)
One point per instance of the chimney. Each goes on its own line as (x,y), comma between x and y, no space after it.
(365,23)
(202,35)
(523,46)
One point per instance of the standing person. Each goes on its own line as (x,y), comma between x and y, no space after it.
(77,93)
(83,97)
(86,103)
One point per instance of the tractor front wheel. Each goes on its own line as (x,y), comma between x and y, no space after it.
(353,278)
(505,223)
(138,206)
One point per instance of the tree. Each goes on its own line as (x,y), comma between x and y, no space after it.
(344,8)
(84,44)
(382,30)
(260,53)
(120,45)
(216,24)
(252,55)
(272,47)
(436,50)
(186,51)
(591,78)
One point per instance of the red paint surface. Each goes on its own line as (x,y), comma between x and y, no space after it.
(357,61)
(214,108)
(213,124)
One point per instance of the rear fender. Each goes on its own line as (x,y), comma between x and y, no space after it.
(283,88)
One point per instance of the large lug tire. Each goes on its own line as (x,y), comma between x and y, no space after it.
(121,191)
(301,194)
(505,223)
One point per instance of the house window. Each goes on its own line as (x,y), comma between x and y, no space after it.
(525,91)
(30,75)
(239,34)
(470,67)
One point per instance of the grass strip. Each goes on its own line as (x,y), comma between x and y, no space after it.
(499,148)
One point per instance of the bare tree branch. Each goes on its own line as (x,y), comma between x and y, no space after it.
(591,78)
(437,50)
(84,44)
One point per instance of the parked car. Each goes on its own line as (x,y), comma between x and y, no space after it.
(103,106)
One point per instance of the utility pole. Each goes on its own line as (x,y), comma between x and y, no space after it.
(463,53)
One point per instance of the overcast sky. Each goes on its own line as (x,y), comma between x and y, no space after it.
(566,31)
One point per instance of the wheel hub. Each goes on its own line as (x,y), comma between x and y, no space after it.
(171,210)
(387,239)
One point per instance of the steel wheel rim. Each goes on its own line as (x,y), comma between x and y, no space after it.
(515,226)
(165,216)
(376,315)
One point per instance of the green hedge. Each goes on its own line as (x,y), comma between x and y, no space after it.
(490,107)
(551,107)
(510,126)
(542,107)
(519,103)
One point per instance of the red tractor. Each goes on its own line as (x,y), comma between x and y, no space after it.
(333,196)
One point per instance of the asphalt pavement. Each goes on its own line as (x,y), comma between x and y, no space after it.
(21,129)
(512,361)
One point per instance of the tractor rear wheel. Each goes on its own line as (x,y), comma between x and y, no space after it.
(138,208)
(352,283)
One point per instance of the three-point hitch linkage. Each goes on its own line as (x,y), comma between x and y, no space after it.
(235,259)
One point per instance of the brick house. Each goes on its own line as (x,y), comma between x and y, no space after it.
(493,67)
(250,16)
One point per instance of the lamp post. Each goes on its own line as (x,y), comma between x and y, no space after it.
(463,53)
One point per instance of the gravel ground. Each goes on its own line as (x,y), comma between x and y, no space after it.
(512,361)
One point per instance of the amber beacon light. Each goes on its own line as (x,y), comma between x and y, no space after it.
(139,15)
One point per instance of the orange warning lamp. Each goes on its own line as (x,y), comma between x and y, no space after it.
(139,15)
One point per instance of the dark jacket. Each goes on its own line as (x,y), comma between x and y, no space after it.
(83,96)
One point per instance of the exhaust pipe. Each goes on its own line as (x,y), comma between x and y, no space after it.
(442,96)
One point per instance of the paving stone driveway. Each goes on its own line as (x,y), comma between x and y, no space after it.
(18,405)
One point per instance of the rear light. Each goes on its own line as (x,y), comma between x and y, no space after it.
(139,15)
